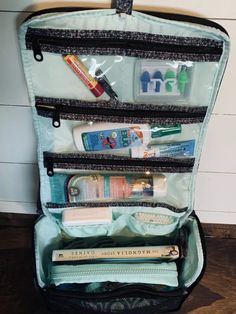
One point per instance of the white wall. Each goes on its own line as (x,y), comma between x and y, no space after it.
(216,183)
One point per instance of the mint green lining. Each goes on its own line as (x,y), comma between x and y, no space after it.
(108,20)
(124,222)
(47,232)
(164,273)
(48,236)
(192,266)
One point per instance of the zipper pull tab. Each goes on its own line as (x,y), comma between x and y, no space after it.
(50,171)
(38,56)
(56,119)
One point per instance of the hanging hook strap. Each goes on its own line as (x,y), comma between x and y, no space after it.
(124,6)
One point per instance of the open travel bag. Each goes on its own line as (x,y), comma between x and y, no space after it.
(121,101)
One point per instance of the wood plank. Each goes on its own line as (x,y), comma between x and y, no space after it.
(18,207)
(199,8)
(17,220)
(221,231)
(216,216)
(17,136)
(215,193)
(18,293)
(18,182)
(23,237)
(219,150)
(217,289)
(12,84)
(225,103)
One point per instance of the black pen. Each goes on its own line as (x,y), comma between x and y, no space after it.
(103,81)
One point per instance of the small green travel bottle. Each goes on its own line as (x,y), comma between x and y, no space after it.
(183,79)
(169,85)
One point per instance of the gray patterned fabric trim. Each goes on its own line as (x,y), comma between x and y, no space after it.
(83,156)
(133,53)
(136,169)
(118,204)
(137,37)
(116,105)
(116,119)
(124,6)
(121,35)
(153,164)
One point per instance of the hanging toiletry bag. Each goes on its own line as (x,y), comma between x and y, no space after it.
(121,101)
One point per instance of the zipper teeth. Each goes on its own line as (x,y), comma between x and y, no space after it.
(71,109)
(133,44)
(132,112)
(84,37)
(115,160)
(128,44)
(130,271)
(62,271)
(103,163)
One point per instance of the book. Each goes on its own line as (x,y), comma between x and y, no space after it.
(144,253)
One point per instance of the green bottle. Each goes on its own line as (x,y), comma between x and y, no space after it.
(183,79)
(169,85)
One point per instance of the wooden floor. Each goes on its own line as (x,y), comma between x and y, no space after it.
(215,294)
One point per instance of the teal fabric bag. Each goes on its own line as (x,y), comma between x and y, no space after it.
(121,101)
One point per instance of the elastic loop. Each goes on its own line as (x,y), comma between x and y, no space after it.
(124,6)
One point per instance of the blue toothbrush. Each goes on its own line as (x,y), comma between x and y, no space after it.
(145,79)
(158,75)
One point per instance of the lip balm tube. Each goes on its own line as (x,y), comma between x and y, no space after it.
(82,72)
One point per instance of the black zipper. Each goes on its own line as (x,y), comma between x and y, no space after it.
(71,109)
(163,15)
(134,44)
(103,162)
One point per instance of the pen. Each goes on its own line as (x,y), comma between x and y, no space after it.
(103,81)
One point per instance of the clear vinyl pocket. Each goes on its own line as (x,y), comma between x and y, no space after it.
(99,178)
(142,132)
(128,66)
(106,195)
